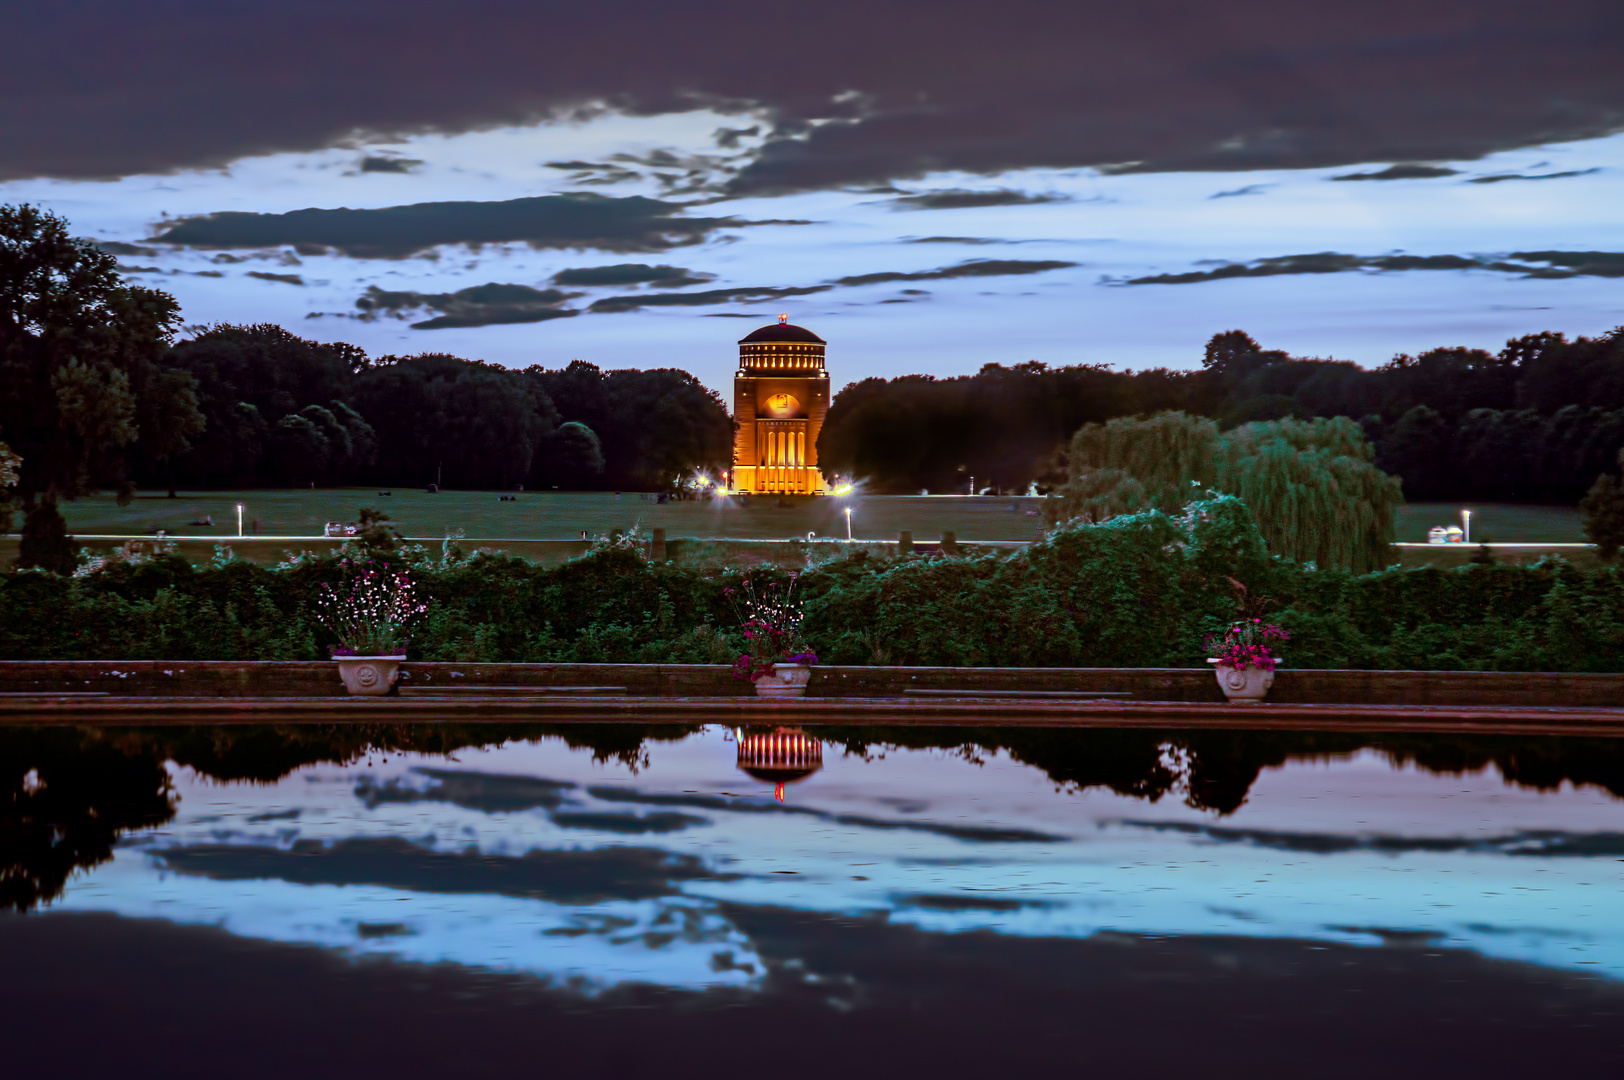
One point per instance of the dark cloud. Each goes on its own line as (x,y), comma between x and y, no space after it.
(954,240)
(563,877)
(614,304)
(388,164)
(1532,843)
(1562,264)
(1405,171)
(1249,189)
(629,824)
(575,220)
(274,815)
(728,138)
(1590,263)
(587,172)
(976,834)
(988,834)
(481,305)
(118,247)
(661,277)
(1501,177)
(945,85)
(958,199)
(974,268)
(369,931)
(286,279)
(835,995)
(489,793)
(960,902)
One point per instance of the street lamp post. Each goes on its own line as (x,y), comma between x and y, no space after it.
(848,523)
(239,519)
(1466,521)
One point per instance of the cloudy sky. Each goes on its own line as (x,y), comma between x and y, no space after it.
(929,186)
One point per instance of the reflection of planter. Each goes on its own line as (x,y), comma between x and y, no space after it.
(369,674)
(787,680)
(1243,684)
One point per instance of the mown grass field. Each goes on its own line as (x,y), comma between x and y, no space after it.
(1504,523)
(558,515)
(561,516)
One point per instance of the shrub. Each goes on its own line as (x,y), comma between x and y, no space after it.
(1139,590)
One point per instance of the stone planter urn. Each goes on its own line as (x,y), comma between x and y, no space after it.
(369,675)
(787,680)
(1243,686)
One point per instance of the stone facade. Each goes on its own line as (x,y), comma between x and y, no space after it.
(780,397)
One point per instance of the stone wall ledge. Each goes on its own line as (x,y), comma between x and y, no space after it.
(284,679)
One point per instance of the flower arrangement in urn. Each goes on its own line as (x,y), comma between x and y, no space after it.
(371,612)
(1245,658)
(775,658)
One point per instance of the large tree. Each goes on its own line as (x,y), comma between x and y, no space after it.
(1311,485)
(258,386)
(654,427)
(80,354)
(461,423)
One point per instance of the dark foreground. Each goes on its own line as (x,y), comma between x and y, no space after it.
(612,901)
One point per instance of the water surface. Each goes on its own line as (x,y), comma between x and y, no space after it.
(679,900)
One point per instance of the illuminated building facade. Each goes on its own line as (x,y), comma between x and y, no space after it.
(780,397)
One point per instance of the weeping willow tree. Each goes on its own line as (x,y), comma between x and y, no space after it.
(1128,465)
(1310,484)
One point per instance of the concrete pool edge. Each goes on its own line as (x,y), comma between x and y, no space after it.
(183,680)
(21,710)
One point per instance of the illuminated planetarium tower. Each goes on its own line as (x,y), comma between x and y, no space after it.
(780,397)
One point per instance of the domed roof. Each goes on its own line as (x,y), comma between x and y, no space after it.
(782,331)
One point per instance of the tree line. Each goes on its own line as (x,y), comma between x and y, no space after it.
(99,393)
(1537,421)
(280,410)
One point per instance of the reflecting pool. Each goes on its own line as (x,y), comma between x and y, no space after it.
(617,899)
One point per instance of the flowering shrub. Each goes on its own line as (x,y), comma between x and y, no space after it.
(370,611)
(1246,644)
(769,614)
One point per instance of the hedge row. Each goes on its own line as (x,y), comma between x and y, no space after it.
(1135,591)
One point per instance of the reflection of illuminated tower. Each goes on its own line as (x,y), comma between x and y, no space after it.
(780,396)
(778,757)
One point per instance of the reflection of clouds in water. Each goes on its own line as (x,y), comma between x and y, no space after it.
(521,858)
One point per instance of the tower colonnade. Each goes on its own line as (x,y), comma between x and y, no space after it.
(780,398)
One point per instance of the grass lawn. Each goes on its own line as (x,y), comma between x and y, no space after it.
(558,515)
(1505,523)
(563,515)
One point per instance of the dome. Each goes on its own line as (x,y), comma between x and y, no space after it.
(779,757)
(782,332)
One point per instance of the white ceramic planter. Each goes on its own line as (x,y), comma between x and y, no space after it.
(1244,685)
(787,680)
(369,675)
